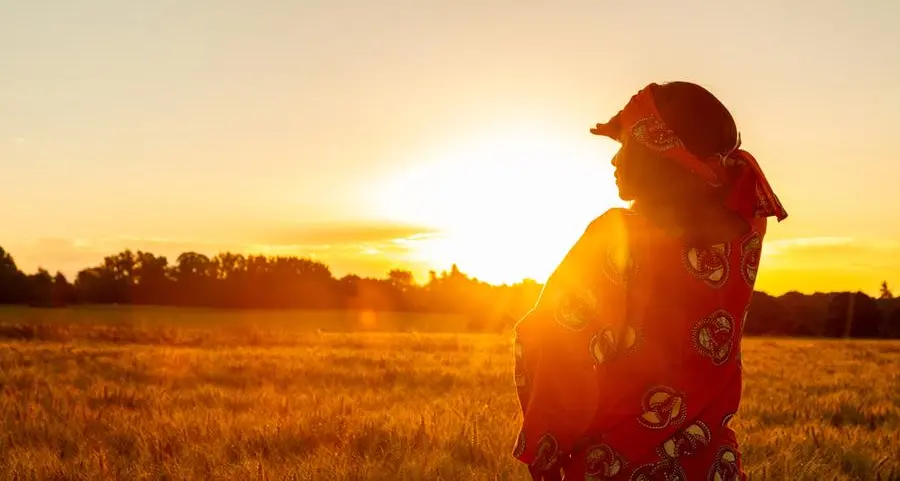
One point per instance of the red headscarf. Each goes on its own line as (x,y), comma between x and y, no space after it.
(749,193)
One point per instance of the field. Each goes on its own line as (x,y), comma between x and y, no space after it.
(179,394)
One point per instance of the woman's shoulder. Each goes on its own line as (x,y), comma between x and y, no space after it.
(616,218)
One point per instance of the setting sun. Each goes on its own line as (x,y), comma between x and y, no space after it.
(507,205)
(315,239)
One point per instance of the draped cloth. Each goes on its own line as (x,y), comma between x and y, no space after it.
(629,365)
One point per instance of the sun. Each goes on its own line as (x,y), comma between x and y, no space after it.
(508,205)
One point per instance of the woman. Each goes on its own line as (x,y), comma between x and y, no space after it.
(629,365)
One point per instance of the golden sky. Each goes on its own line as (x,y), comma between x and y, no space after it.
(415,134)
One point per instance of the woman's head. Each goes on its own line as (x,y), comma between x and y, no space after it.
(706,129)
(681,150)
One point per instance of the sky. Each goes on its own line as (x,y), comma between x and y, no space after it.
(414,133)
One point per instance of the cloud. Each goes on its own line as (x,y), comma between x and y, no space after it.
(810,241)
(346,233)
(843,251)
(368,249)
(828,263)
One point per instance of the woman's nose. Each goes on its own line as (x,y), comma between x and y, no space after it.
(615,160)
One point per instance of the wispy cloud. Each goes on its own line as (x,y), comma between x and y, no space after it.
(810,241)
(344,233)
(362,248)
(830,249)
(828,263)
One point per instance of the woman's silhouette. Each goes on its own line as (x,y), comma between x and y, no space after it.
(629,365)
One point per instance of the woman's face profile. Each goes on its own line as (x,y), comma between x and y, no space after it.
(624,172)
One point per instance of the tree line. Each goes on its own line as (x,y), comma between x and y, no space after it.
(230,280)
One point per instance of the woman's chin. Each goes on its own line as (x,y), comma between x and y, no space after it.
(625,195)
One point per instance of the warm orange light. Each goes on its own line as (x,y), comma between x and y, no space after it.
(509,204)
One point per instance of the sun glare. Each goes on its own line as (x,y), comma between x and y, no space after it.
(508,206)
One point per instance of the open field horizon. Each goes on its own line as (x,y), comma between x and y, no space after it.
(291,240)
(107,399)
(142,319)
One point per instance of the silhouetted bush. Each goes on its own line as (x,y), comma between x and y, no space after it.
(236,281)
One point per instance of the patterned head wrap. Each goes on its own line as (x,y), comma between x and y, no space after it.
(749,193)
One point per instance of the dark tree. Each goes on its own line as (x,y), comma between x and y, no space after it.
(13,283)
(853,315)
(230,280)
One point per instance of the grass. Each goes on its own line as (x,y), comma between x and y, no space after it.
(272,398)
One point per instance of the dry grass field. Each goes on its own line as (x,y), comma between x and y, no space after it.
(123,394)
